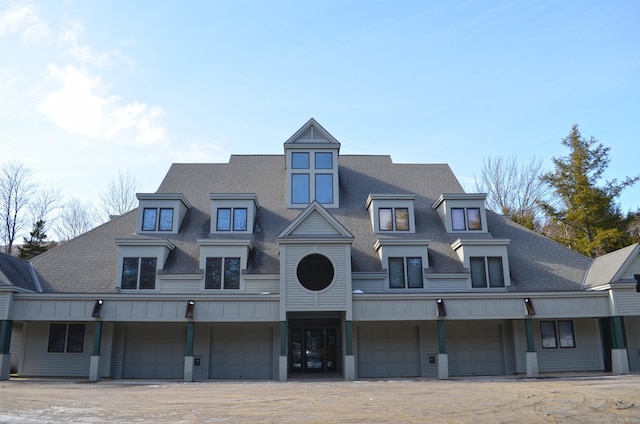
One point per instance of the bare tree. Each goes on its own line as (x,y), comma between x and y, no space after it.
(514,190)
(120,194)
(16,189)
(43,203)
(74,218)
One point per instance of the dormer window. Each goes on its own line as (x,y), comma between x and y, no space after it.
(486,271)
(487,261)
(463,219)
(157,219)
(311,156)
(392,213)
(161,212)
(233,212)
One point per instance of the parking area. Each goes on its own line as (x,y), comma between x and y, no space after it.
(586,399)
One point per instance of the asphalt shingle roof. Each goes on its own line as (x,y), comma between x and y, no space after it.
(18,272)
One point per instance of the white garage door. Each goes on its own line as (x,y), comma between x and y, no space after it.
(241,352)
(388,351)
(154,351)
(475,348)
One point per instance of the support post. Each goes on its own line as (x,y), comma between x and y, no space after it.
(619,354)
(443,357)
(6,326)
(188,358)
(349,358)
(531,355)
(94,365)
(282,359)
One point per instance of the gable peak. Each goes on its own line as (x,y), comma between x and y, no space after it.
(312,133)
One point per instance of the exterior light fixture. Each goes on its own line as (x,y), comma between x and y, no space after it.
(97,309)
(191,306)
(528,305)
(442,312)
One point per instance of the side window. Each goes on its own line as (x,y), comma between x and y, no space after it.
(405,273)
(138,273)
(222,274)
(66,338)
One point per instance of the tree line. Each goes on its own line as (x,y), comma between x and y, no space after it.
(25,204)
(570,204)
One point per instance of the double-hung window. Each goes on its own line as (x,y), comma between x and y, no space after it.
(139,273)
(556,334)
(66,338)
(222,273)
(229,219)
(463,219)
(405,272)
(311,178)
(157,219)
(486,272)
(393,219)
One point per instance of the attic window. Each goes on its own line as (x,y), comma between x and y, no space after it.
(394,219)
(157,219)
(466,219)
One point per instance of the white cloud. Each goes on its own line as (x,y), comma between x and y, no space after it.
(70,41)
(199,152)
(80,106)
(23,19)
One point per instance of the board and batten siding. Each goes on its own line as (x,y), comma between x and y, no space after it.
(37,361)
(335,297)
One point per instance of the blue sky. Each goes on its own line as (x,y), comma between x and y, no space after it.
(88,88)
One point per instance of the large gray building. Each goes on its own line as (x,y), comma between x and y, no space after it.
(272,266)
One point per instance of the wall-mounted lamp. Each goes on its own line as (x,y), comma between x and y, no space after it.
(637,277)
(191,306)
(97,309)
(442,312)
(528,306)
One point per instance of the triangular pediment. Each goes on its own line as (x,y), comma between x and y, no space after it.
(312,133)
(315,222)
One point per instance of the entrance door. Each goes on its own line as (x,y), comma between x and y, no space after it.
(313,350)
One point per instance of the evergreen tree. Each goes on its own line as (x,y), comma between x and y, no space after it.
(588,219)
(36,243)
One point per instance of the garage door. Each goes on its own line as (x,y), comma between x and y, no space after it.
(475,348)
(241,352)
(154,351)
(390,351)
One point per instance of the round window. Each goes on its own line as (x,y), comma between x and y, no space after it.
(315,272)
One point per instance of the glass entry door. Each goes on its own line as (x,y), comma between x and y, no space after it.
(313,350)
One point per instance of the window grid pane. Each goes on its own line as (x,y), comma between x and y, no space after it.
(232,273)
(402,219)
(473,218)
(57,337)
(300,188)
(213,275)
(396,273)
(148,273)
(166,219)
(496,278)
(75,338)
(548,334)
(324,160)
(414,273)
(384,219)
(223,220)
(457,219)
(566,335)
(130,273)
(149,216)
(300,160)
(240,219)
(478,272)
(324,188)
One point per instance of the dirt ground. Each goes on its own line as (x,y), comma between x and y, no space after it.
(585,399)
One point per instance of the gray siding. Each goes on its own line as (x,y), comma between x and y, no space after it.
(315,224)
(5,301)
(429,348)
(626,301)
(476,347)
(16,346)
(632,328)
(634,268)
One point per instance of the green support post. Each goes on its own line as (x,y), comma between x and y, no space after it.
(349,337)
(5,336)
(529,330)
(441,337)
(97,338)
(283,338)
(190,338)
(617,333)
